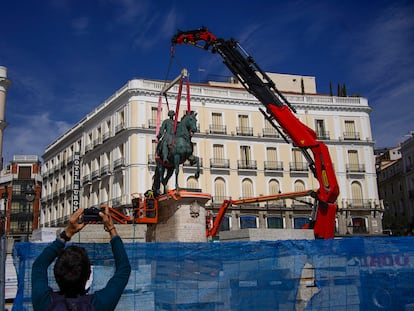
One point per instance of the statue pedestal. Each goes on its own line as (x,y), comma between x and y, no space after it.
(181,218)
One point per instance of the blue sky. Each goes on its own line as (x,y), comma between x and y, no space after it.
(65,57)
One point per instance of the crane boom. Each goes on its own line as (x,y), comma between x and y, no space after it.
(258,83)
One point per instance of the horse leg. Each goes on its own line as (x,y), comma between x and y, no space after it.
(170,171)
(193,159)
(157,180)
(177,169)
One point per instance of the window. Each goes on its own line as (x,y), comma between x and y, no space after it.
(271,154)
(299,186)
(298,163)
(243,121)
(218,152)
(359,225)
(217,123)
(25,172)
(300,222)
(274,222)
(107,130)
(247,188)
(248,222)
(357,198)
(272,163)
(153,118)
(225,224)
(354,165)
(192,183)
(244,128)
(245,156)
(219,190)
(120,125)
(269,130)
(274,186)
(350,131)
(320,129)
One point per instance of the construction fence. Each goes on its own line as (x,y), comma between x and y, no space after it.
(337,274)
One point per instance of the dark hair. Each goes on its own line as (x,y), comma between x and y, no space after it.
(72,271)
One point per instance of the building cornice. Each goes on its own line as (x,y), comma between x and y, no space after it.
(213,95)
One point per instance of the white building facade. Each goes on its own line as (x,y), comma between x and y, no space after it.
(242,156)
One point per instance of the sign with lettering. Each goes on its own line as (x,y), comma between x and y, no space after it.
(76,181)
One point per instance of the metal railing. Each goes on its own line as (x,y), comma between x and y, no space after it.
(247,164)
(219,163)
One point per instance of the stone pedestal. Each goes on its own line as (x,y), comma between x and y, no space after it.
(181,218)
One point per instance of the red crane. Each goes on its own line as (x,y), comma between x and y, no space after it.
(279,110)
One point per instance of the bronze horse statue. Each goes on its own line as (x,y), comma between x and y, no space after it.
(180,151)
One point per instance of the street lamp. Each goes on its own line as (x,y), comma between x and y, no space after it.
(3,237)
(30,195)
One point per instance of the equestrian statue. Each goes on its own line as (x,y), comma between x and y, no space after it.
(174,149)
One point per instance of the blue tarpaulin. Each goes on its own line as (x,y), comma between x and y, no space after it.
(337,274)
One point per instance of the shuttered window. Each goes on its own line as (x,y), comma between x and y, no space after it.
(271,154)
(274,187)
(247,188)
(299,186)
(219,189)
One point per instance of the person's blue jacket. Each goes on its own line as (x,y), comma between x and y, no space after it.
(103,299)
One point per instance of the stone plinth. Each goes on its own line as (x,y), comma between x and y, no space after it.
(181,218)
(266,234)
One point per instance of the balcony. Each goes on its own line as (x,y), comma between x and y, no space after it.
(355,168)
(187,164)
(217,129)
(246,165)
(151,159)
(88,147)
(217,201)
(152,123)
(120,127)
(105,170)
(298,166)
(273,166)
(62,191)
(116,202)
(219,163)
(358,204)
(97,141)
(86,179)
(119,163)
(270,132)
(96,175)
(351,136)
(106,136)
(323,135)
(244,131)
(70,159)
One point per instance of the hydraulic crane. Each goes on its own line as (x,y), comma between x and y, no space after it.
(279,110)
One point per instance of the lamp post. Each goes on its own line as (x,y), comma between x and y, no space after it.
(3,237)
(30,197)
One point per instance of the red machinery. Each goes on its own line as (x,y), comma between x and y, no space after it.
(213,224)
(278,109)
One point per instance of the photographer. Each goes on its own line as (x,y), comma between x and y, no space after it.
(73,268)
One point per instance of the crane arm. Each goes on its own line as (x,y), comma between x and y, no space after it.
(273,197)
(258,83)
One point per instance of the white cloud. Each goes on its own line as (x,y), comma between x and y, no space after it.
(31,134)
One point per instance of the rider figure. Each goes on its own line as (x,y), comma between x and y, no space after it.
(166,135)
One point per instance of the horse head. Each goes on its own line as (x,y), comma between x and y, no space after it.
(189,120)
